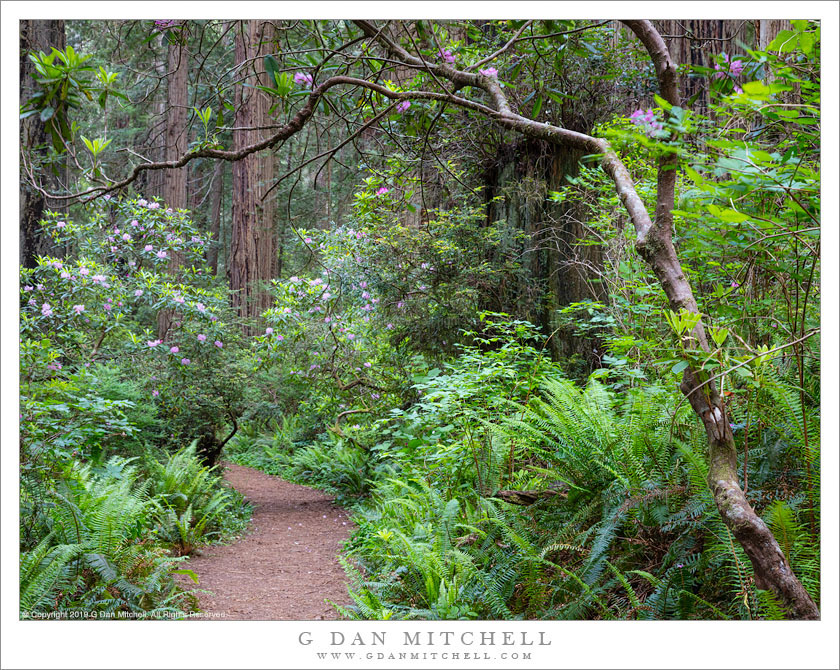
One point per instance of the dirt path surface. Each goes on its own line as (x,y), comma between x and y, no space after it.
(286,566)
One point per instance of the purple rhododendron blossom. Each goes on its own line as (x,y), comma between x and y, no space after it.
(402,108)
(218,344)
(46,310)
(201,337)
(489,72)
(79,308)
(303,79)
(174,350)
(446,55)
(185,361)
(646,121)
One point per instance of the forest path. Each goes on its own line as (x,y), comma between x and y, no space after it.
(286,565)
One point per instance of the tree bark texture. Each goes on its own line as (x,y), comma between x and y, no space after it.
(36,35)
(215,216)
(253,257)
(174,187)
(523,175)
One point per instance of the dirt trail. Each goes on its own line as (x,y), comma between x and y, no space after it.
(286,565)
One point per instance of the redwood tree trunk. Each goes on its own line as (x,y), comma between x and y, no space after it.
(253,255)
(174,190)
(36,35)
(215,216)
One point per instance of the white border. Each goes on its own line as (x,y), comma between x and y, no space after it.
(267,644)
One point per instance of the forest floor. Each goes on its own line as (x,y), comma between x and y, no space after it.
(286,566)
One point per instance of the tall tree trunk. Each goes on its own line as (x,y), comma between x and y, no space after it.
(36,35)
(175,185)
(553,256)
(215,216)
(253,256)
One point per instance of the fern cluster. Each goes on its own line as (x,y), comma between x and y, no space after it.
(109,534)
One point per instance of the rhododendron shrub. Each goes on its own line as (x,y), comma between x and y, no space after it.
(101,305)
(384,301)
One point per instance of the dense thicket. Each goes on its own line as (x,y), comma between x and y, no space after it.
(539,298)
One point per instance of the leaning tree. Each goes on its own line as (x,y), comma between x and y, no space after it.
(476,88)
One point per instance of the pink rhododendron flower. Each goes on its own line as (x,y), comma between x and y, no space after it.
(200,307)
(402,108)
(736,67)
(65,275)
(79,308)
(154,205)
(142,202)
(60,224)
(647,121)
(279,338)
(185,361)
(161,254)
(489,72)
(269,331)
(153,343)
(381,190)
(303,79)
(134,223)
(148,247)
(46,310)
(174,350)
(155,393)
(54,366)
(201,337)
(446,55)
(84,271)
(138,293)
(27,289)
(126,237)
(218,344)
(179,299)
(308,240)
(107,307)
(367,364)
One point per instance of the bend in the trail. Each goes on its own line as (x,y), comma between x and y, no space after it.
(286,566)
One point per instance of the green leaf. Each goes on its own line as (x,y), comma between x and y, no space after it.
(47,113)
(679,367)
(756,89)
(271,67)
(784,41)
(662,102)
(537,106)
(188,573)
